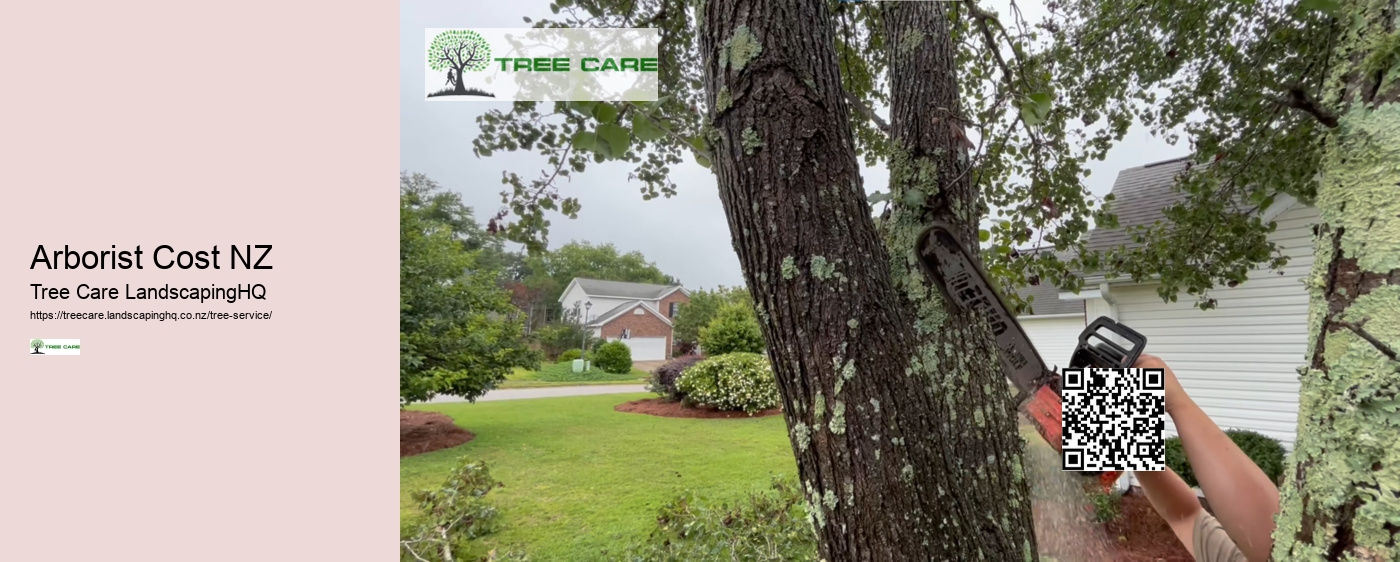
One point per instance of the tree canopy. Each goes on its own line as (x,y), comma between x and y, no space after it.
(458,332)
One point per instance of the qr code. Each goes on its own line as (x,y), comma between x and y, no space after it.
(1113,419)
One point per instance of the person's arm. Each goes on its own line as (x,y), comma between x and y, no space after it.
(1174,501)
(1243,498)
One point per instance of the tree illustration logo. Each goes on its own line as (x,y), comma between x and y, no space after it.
(459,51)
(36,344)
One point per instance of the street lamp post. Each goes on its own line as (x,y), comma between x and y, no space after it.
(583,342)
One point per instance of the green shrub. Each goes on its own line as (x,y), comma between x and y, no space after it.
(460,507)
(663,379)
(734,330)
(770,525)
(613,357)
(564,372)
(1266,452)
(570,355)
(1107,506)
(733,382)
(1176,460)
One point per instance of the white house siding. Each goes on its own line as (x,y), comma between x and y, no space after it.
(1054,336)
(575,294)
(1238,361)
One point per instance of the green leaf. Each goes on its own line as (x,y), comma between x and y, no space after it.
(616,138)
(984,235)
(702,160)
(585,140)
(605,112)
(1036,107)
(584,107)
(877,197)
(645,129)
(1324,6)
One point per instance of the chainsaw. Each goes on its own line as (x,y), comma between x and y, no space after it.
(966,287)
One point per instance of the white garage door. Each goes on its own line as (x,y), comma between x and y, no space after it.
(647,349)
(1237,361)
(1054,337)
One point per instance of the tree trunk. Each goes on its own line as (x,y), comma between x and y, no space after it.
(1341,497)
(458,83)
(905,442)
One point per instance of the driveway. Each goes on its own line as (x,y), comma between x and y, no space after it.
(547,392)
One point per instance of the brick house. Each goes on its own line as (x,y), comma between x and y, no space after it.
(637,314)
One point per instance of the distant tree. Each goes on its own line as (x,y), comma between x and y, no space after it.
(735,329)
(546,274)
(433,202)
(701,310)
(458,333)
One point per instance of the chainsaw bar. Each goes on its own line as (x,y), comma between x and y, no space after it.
(966,288)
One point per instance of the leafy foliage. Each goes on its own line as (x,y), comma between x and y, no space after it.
(458,332)
(431,201)
(1266,452)
(739,382)
(663,379)
(1107,506)
(734,329)
(701,310)
(769,525)
(453,515)
(613,357)
(570,355)
(459,49)
(564,372)
(555,339)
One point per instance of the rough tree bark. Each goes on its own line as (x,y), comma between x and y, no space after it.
(1342,497)
(897,409)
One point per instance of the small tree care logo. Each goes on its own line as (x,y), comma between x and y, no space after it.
(50,346)
(457,52)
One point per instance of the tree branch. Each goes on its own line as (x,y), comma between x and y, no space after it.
(1300,100)
(1363,334)
(868,113)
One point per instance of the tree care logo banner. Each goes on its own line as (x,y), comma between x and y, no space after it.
(50,346)
(529,64)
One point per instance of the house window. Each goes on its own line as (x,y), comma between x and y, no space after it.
(626,333)
(672,313)
(638,311)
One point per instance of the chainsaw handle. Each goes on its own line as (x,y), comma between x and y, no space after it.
(1107,354)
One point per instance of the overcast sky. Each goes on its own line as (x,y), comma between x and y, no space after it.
(686,236)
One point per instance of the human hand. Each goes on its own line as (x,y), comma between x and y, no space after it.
(1175,394)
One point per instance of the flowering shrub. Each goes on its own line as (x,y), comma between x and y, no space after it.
(733,382)
(663,379)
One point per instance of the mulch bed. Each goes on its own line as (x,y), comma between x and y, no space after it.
(664,408)
(1137,535)
(425,432)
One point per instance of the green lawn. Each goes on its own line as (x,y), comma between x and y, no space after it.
(581,479)
(562,374)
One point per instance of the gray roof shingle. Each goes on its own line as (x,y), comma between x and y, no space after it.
(1047,296)
(598,287)
(1139,196)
